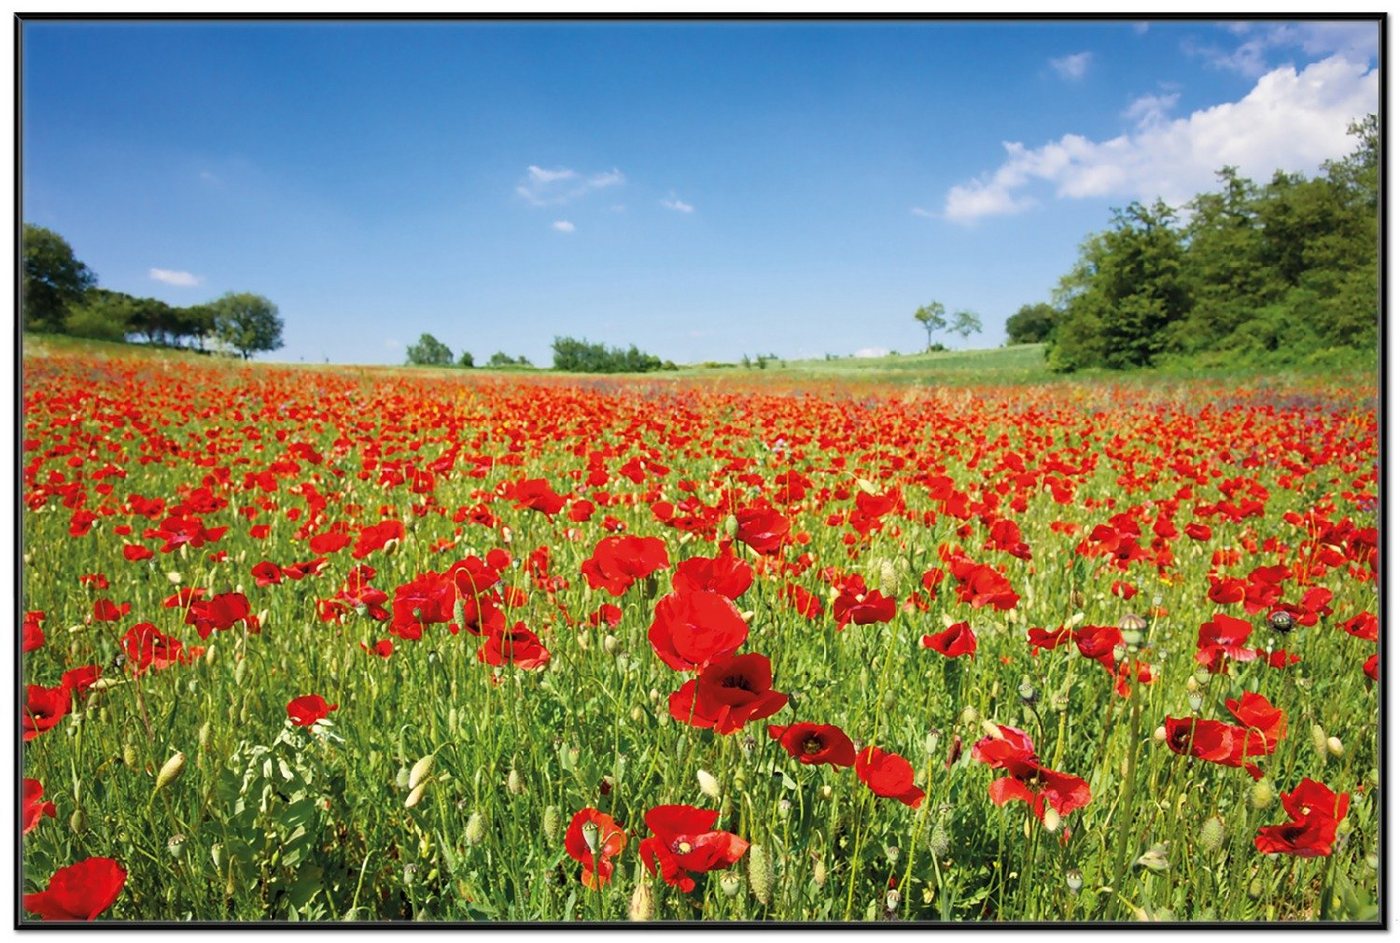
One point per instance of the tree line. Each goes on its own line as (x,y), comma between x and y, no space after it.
(571,354)
(59,295)
(1279,269)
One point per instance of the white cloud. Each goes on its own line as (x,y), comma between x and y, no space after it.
(172,277)
(1259,43)
(543,187)
(678,205)
(1150,109)
(562,225)
(1290,121)
(866,352)
(920,211)
(1072,67)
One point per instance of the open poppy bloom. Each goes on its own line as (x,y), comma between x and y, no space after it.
(763,529)
(956,640)
(861,606)
(889,776)
(689,630)
(725,574)
(80,891)
(516,646)
(815,743)
(44,708)
(1210,740)
(1316,812)
(1266,724)
(33,632)
(1011,749)
(728,694)
(34,807)
(306,710)
(148,649)
(618,562)
(683,843)
(593,839)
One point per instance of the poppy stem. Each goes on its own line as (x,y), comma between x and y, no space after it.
(1125,799)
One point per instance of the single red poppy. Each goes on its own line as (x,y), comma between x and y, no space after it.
(762,529)
(684,843)
(815,743)
(33,631)
(889,776)
(689,630)
(1315,813)
(618,562)
(44,708)
(1265,723)
(725,574)
(593,839)
(34,806)
(727,694)
(953,642)
(517,646)
(79,892)
(148,648)
(309,708)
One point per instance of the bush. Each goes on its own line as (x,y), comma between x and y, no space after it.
(581,356)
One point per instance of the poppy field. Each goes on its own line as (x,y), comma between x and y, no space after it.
(372,645)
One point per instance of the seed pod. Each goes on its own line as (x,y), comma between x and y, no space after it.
(176,846)
(969,716)
(1051,820)
(729,882)
(420,771)
(170,771)
(643,907)
(760,873)
(401,778)
(1212,834)
(475,830)
(1261,794)
(550,824)
(1074,880)
(415,795)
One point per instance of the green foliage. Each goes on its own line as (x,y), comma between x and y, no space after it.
(1290,266)
(101,315)
(931,316)
(1031,324)
(502,359)
(53,279)
(965,324)
(580,356)
(429,352)
(247,323)
(466,359)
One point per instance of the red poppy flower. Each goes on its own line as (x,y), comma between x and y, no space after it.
(689,630)
(728,694)
(1315,813)
(148,648)
(383,648)
(859,605)
(763,529)
(375,537)
(104,610)
(32,636)
(1047,639)
(725,574)
(517,646)
(683,843)
(1363,625)
(78,680)
(1209,740)
(309,708)
(1220,638)
(1373,668)
(889,776)
(808,605)
(1011,749)
(222,612)
(535,494)
(618,562)
(79,892)
(1097,642)
(135,552)
(982,585)
(1265,723)
(44,708)
(956,640)
(593,839)
(330,542)
(34,806)
(267,573)
(815,743)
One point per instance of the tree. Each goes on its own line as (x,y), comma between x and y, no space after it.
(931,317)
(154,319)
(54,280)
(965,324)
(1031,324)
(248,323)
(101,315)
(429,352)
(466,359)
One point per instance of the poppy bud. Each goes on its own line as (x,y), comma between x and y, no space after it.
(1154,859)
(216,854)
(931,743)
(476,829)
(610,644)
(938,840)
(401,778)
(1074,880)
(240,673)
(1160,734)
(1261,794)
(826,791)
(643,907)
(729,882)
(818,873)
(969,716)
(515,785)
(708,784)
(204,732)
(1256,889)
(1212,834)
(176,846)
(636,714)
(1319,740)
(129,757)
(420,771)
(78,821)
(889,579)
(760,873)
(230,885)
(550,824)
(992,730)
(1192,685)
(415,794)
(453,721)
(890,699)
(170,771)
(731,526)
(1334,746)
(1051,820)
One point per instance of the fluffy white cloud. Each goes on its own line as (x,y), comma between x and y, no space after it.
(543,187)
(172,277)
(1072,67)
(1290,121)
(1255,44)
(679,206)
(562,225)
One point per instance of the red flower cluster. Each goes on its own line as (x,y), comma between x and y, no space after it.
(1029,781)
(1315,812)
(1227,744)
(684,842)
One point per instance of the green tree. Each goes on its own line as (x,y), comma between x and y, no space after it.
(1031,324)
(931,317)
(965,324)
(153,319)
(101,315)
(429,352)
(466,359)
(248,323)
(53,279)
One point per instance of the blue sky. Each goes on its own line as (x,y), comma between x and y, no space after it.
(703,190)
